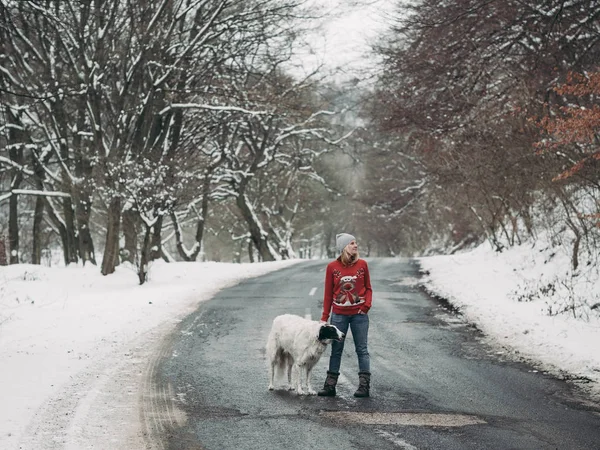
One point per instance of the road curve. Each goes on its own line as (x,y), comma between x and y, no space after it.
(435,383)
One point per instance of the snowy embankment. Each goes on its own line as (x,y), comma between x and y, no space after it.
(75,347)
(527,301)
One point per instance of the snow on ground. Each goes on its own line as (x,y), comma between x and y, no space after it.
(75,346)
(513,297)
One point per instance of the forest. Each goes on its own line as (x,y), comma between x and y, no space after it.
(177,129)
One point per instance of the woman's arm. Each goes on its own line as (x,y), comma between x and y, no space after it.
(328,294)
(368,291)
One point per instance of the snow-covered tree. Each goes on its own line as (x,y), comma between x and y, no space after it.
(461,78)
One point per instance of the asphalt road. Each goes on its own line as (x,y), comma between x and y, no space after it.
(435,384)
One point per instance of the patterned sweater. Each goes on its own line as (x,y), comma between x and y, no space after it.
(347,289)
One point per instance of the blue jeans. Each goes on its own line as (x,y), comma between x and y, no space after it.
(359,325)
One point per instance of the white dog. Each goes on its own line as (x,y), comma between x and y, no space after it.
(297,344)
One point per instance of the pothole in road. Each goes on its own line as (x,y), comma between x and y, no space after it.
(414,419)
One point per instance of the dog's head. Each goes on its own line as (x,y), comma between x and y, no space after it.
(329,332)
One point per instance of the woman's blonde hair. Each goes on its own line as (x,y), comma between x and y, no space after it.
(347,259)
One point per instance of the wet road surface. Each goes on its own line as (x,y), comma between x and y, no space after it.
(435,384)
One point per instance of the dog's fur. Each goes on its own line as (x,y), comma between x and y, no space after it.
(296,344)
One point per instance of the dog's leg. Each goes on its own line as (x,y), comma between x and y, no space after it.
(271,353)
(272,375)
(309,388)
(290,373)
(299,369)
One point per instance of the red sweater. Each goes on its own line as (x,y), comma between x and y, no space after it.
(347,289)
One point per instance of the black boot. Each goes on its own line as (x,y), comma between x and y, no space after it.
(329,387)
(364,384)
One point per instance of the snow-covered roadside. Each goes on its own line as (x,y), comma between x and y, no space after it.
(72,340)
(77,347)
(508,296)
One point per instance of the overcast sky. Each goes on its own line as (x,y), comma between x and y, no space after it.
(348,29)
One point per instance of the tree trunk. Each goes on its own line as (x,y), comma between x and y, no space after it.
(145,256)
(187,255)
(16,137)
(192,255)
(65,228)
(111,246)
(85,242)
(130,233)
(3,260)
(58,223)
(38,217)
(40,206)
(250,250)
(61,128)
(257,234)
(82,195)
(575,256)
(156,241)
(13,229)
(71,234)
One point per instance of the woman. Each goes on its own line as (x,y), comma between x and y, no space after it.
(348,297)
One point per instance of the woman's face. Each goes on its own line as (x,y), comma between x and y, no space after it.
(352,248)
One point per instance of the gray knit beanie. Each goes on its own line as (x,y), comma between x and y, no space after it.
(341,240)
